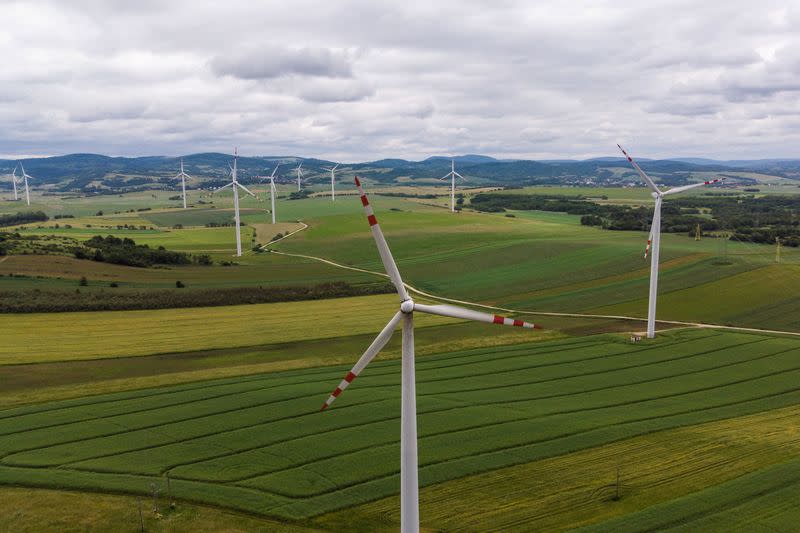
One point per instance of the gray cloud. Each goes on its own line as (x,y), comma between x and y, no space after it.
(274,62)
(352,80)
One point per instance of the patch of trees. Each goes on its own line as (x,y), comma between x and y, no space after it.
(299,195)
(124,251)
(23,218)
(118,298)
(747,218)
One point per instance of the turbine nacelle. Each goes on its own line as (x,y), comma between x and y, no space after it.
(407,306)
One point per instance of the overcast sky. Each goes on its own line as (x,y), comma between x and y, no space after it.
(354,81)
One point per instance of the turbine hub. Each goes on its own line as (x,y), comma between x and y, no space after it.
(407,306)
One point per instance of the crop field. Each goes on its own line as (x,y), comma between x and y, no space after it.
(93,335)
(258,444)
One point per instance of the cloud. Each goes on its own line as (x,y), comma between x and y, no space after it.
(354,80)
(274,62)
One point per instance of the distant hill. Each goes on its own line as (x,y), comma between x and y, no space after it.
(95,173)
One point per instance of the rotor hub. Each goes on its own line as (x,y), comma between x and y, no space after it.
(407,306)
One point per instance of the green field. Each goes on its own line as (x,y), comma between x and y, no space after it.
(259,444)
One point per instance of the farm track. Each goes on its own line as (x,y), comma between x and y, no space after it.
(537,312)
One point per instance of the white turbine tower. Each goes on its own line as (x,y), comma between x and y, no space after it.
(235,186)
(25,177)
(183,175)
(654,240)
(14,183)
(409,489)
(452,175)
(299,170)
(272,190)
(333,180)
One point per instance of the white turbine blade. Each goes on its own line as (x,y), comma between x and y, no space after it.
(468,314)
(649,242)
(272,186)
(376,346)
(641,172)
(223,187)
(676,190)
(383,248)
(245,189)
(274,171)
(446,175)
(335,166)
(460,176)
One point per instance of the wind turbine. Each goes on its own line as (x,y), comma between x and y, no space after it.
(183,175)
(333,180)
(235,186)
(272,190)
(299,170)
(409,489)
(452,175)
(655,237)
(14,182)
(25,177)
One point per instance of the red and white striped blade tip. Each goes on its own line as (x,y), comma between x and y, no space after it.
(348,379)
(512,322)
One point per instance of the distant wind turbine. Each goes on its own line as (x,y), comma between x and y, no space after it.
(655,236)
(183,175)
(25,177)
(235,186)
(452,175)
(333,180)
(299,170)
(272,190)
(409,487)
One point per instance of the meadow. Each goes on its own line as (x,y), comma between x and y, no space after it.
(258,444)
(518,429)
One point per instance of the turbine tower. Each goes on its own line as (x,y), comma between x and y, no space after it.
(409,489)
(183,175)
(14,183)
(333,180)
(654,241)
(299,170)
(235,186)
(452,175)
(25,177)
(272,190)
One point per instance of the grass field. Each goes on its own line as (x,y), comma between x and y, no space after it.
(257,443)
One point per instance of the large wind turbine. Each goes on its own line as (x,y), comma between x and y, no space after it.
(25,177)
(299,170)
(235,186)
(272,190)
(333,180)
(409,490)
(452,175)
(654,240)
(183,175)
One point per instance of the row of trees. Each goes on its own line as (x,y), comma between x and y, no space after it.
(113,299)
(125,251)
(22,218)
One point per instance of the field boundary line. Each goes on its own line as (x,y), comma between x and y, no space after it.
(541,313)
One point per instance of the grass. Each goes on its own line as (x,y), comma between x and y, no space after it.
(96,335)
(256,443)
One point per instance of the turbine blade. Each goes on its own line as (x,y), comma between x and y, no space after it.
(245,189)
(376,346)
(641,172)
(223,187)
(468,314)
(676,190)
(649,242)
(460,176)
(446,176)
(383,248)
(274,171)
(335,166)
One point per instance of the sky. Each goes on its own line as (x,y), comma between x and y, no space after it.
(364,80)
